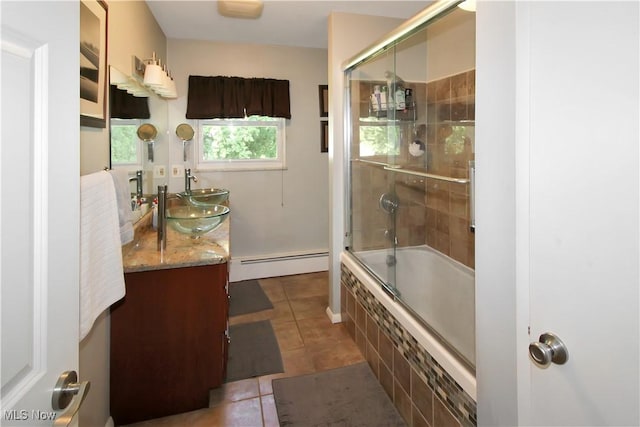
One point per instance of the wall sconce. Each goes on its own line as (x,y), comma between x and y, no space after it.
(128,83)
(155,77)
(468,5)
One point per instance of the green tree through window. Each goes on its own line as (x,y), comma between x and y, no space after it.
(233,142)
(123,144)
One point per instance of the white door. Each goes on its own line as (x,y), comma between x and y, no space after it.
(583,217)
(39,188)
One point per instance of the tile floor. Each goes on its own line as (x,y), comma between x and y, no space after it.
(308,341)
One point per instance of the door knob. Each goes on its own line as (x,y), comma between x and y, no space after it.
(549,349)
(68,394)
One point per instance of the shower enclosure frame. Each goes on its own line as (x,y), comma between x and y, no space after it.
(386,46)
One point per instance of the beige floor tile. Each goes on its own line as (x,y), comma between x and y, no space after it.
(281,312)
(269,412)
(320,331)
(245,413)
(343,353)
(273,289)
(288,335)
(234,391)
(297,362)
(306,289)
(265,382)
(304,308)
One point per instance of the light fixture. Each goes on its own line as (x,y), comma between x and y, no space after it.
(248,9)
(468,5)
(127,83)
(155,77)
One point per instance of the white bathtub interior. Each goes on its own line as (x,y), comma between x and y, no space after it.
(437,289)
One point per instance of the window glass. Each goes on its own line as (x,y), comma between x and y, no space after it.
(125,145)
(378,138)
(251,143)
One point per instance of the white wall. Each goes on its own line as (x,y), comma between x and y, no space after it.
(495,186)
(132,31)
(272,212)
(348,35)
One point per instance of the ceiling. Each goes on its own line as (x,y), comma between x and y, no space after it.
(291,23)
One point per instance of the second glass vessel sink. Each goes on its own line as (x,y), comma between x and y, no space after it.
(205,197)
(196,221)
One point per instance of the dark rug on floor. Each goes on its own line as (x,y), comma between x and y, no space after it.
(347,396)
(247,297)
(253,351)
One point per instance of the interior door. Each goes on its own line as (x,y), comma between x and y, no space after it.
(39,188)
(583,210)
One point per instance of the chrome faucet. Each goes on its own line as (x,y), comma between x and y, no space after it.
(138,180)
(162,217)
(187,180)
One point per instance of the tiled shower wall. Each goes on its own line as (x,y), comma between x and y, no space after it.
(432,212)
(422,391)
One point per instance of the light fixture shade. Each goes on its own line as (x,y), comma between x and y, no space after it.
(248,9)
(154,76)
(468,5)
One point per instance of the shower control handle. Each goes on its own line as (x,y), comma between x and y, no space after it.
(549,349)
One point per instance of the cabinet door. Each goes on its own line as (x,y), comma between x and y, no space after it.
(166,347)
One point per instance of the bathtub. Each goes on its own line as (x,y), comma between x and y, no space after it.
(435,290)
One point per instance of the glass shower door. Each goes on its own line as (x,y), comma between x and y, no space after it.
(374,145)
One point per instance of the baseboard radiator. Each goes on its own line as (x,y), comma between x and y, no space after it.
(257,267)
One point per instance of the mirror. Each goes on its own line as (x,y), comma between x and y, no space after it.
(127,134)
(185,133)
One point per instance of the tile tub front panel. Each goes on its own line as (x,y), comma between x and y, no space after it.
(423,392)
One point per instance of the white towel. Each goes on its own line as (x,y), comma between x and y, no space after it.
(101,272)
(123,198)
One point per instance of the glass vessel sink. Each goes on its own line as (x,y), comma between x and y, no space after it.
(205,197)
(196,221)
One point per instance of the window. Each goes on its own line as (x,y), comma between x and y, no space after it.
(126,149)
(379,138)
(252,143)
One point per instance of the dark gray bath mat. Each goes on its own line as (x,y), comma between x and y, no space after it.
(247,297)
(347,396)
(253,351)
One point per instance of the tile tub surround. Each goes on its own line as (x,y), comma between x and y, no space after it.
(432,212)
(421,389)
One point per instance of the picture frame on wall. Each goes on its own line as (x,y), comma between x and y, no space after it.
(324,136)
(93,63)
(323,95)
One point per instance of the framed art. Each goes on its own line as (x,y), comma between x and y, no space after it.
(324,136)
(93,63)
(323,95)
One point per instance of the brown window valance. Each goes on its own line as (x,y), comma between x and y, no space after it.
(123,105)
(222,97)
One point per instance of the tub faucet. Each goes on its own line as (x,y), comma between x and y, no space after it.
(138,180)
(187,180)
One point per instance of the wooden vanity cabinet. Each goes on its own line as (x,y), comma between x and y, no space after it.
(168,342)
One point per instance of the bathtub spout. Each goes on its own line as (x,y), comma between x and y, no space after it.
(391,260)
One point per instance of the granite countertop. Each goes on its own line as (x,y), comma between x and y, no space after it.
(142,253)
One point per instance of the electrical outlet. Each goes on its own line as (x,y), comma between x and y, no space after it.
(159,171)
(177,171)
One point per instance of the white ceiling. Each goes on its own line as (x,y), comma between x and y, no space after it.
(292,23)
